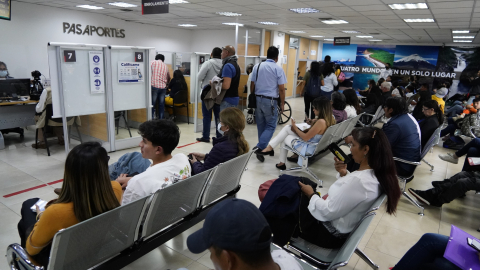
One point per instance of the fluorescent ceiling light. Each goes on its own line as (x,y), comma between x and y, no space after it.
(122,4)
(304,10)
(229,14)
(418,20)
(457,40)
(89,7)
(187,25)
(375,40)
(463,36)
(334,21)
(268,23)
(351,32)
(328,39)
(316,36)
(461,31)
(409,6)
(178,2)
(364,37)
(231,23)
(297,32)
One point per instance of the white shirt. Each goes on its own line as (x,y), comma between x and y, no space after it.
(348,200)
(396,93)
(285,261)
(41,103)
(384,73)
(351,112)
(157,177)
(329,82)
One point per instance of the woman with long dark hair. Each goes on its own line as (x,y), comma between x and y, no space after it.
(313,81)
(424,97)
(86,192)
(329,79)
(353,193)
(433,119)
(176,85)
(353,104)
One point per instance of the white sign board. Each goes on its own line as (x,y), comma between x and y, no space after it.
(313,52)
(97,77)
(130,72)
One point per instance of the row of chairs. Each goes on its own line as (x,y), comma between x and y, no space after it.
(118,237)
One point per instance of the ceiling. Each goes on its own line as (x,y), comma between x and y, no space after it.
(370,17)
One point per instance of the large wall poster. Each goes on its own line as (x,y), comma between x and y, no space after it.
(344,56)
(372,56)
(419,58)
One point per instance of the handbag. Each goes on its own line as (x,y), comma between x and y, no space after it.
(205,91)
(252,99)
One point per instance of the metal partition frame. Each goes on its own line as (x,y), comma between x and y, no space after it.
(196,89)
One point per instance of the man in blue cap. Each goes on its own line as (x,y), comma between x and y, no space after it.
(238,237)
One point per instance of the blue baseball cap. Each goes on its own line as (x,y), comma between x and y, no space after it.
(234,225)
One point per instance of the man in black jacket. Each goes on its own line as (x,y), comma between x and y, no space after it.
(230,73)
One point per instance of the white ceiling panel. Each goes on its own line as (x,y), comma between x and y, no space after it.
(452,4)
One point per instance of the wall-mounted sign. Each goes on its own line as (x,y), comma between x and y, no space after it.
(97,81)
(5,10)
(154,6)
(341,41)
(69,56)
(202,59)
(130,72)
(77,29)
(138,56)
(313,52)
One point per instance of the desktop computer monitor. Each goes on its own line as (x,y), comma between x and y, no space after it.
(11,88)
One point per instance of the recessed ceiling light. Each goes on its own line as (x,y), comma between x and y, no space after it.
(418,20)
(463,36)
(409,6)
(457,40)
(187,25)
(375,40)
(231,23)
(122,4)
(297,32)
(316,36)
(334,21)
(351,32)
(461,31)
(229,14)
(328,39)
(268,23)
(364,37)
(304,10)
(89,7)
(178,2)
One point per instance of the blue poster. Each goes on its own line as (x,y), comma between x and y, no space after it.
(371,56)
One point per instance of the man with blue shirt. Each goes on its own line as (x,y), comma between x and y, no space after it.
(230,73)
(268,84)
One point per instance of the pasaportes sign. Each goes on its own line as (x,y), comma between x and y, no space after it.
(78,29)
(154,6)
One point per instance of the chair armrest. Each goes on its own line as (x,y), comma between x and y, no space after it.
(368,114)
(309,143)
(17,258)
(406,161)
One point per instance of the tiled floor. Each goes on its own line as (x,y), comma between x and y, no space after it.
(386,240)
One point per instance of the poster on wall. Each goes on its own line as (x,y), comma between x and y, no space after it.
(5,9)
(343,56)
(130,72)
(373,56)
(97,77)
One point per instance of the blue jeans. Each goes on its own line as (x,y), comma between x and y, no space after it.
(225,105)
(207,120)
(266,115)
(427,253)
(158,94)
(450,129)
(471,149)
(454,110)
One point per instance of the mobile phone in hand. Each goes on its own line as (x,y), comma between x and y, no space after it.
(190,156)
(473,243)
(339,153)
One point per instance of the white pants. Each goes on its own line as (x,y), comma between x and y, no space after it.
(285,137)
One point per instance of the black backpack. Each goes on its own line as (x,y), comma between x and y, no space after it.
(313,87)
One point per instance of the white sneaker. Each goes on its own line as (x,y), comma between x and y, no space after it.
(449,158)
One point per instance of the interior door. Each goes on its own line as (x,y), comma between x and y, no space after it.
(291,72)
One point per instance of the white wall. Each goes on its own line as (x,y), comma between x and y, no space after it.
(279,42)
(24,39)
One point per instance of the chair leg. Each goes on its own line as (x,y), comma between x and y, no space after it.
(307,170)
(45,139)
(366,259)
(36,136)
(126,124)
(188,116)
(432,168)
(414,202)
(320,182)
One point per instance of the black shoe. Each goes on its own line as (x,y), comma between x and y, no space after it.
(424,197)
(436,184)
(269,153)
(260,158)
(203,140)
(282,167)
(255,148)
(292,159)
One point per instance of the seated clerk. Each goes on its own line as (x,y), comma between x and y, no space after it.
(247,248)
(159,139)
(230,145)
(86,192)
(433,118)
(176,85)
(4,74)
(352,194)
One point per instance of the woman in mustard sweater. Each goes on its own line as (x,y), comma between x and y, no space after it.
(86,192)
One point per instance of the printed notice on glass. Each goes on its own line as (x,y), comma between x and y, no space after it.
(97,77)
(130,72)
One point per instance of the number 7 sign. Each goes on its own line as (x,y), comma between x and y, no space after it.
(69,56)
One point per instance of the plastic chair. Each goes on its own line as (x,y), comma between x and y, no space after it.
(180,100)
(375,118)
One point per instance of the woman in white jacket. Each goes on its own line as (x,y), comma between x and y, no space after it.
(330,81)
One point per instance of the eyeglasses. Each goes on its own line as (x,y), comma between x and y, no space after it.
(426,109)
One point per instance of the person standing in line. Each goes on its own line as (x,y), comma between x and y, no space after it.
(387,71)
(209,69)
(160,79)
(269,88)
(230,73)
(313,81)
(330,81)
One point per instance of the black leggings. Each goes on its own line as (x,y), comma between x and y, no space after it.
(308,106)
